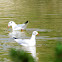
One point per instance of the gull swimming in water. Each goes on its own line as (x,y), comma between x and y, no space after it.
(28,42)
(17,26)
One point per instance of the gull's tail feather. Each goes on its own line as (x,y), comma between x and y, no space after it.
(15,38)
(26,22)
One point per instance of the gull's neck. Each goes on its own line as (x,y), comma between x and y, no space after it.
(33,37)
(13,25)
(33,40)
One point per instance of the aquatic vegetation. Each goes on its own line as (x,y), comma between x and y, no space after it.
(58,53)
(20,56)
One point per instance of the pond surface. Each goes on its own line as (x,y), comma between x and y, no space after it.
(44,16)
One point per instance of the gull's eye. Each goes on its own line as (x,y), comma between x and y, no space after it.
(11,22)
(34,32)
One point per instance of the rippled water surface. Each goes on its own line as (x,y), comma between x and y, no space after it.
(44,16)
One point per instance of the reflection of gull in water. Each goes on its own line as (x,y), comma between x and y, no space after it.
(17,34)
(30,49)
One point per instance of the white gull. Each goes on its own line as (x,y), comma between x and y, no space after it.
(17,26)
(28,42)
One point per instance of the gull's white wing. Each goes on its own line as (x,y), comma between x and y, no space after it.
(22,41)
(22,25)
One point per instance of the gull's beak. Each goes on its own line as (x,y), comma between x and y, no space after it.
(8,26)
(38,34)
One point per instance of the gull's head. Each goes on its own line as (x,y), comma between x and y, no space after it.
(35,33)
(11,23)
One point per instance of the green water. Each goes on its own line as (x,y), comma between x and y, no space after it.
(45,16)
